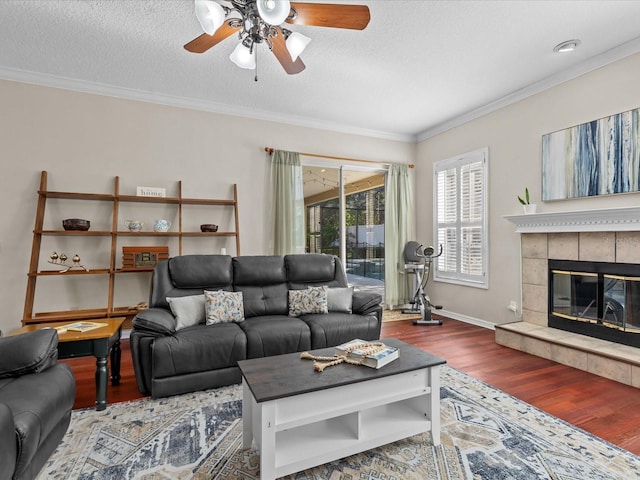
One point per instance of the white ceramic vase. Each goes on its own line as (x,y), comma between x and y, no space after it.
(531,208)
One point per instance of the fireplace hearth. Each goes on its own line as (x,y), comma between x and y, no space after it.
(598,299)
(607,237)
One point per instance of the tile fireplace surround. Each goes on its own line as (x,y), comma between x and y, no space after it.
(606,235)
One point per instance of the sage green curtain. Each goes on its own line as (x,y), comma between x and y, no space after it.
(399,228)
(287,208)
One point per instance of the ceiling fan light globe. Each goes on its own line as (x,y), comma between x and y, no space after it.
(296,43)
(210,14)
(274,12)
(243,57)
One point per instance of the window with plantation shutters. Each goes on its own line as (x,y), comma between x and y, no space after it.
(460,219)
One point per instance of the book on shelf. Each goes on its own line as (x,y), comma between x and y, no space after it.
(80,326)
(373,360)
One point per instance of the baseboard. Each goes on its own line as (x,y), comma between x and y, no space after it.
(466,319)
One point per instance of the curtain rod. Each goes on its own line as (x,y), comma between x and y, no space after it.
(270,150)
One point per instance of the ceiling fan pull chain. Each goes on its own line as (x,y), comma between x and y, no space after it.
(256,78)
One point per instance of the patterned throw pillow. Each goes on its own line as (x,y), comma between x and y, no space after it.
(224,307)
(311,300)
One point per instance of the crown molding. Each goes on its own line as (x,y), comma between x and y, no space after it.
(620,219)
(599,61)
(96,88)
(589,65)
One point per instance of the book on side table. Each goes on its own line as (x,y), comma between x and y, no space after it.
(80,326)
(375,360)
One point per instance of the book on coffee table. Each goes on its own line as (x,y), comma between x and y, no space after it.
(344,348)
(375,360)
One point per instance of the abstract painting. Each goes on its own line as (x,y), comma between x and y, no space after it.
(601,157)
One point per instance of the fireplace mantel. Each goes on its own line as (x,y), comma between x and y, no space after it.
(602,220)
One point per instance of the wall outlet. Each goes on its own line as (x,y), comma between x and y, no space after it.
(513,306)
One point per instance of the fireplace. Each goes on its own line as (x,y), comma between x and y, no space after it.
(598,299)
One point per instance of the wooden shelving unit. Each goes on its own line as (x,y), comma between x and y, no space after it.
(115,200)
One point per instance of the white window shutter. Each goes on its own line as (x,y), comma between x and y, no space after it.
(460,191)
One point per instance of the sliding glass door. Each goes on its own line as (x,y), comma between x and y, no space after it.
(345,217)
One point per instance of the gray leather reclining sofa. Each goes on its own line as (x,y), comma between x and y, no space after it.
(169,361)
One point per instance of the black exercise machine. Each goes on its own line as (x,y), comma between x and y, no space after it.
(417,260)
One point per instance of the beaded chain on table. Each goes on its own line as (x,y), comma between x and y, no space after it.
(370,348)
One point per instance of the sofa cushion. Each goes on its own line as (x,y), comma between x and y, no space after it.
(310,300)
(275,335)
(188,310)
(171,277)
(335,328)
(222,307)
(259,270)
(200,271)
(340,299)
(265,300)
(313,269)
(263,283)
(198,349)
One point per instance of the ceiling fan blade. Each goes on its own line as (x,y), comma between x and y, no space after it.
(205,41)
(282,54)
(355,17)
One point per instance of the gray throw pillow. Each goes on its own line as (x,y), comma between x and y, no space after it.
(340,299)
(189,310)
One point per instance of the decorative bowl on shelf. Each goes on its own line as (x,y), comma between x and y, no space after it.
(208,227)
(76,224)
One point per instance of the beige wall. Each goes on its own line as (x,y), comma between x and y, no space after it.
(513,135)
(84,140)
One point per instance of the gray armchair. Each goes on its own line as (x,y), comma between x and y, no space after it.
(36,398)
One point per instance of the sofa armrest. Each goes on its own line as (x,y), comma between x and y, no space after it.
(8,442)
(366,302)
(155,320)
(30,352)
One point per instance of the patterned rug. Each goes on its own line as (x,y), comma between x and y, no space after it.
(486,434)
(397,315)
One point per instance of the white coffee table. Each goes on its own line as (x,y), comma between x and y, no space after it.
(300,418)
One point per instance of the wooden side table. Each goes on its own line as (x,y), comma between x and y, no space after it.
(98,342)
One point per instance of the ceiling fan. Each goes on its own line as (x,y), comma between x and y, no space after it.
(260,21)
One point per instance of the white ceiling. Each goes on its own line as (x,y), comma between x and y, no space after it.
(417,69)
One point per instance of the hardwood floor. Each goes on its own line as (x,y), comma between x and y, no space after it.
(607,409)
(84,370)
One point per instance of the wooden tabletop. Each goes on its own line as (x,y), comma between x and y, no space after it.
(106,331)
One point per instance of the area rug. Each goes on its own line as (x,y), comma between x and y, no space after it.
(486,434)
(397,315)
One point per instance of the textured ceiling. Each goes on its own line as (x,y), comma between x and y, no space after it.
(418,67)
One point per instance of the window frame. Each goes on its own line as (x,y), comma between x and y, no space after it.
(457,162)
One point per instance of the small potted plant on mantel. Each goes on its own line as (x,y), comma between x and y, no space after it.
(525,202)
